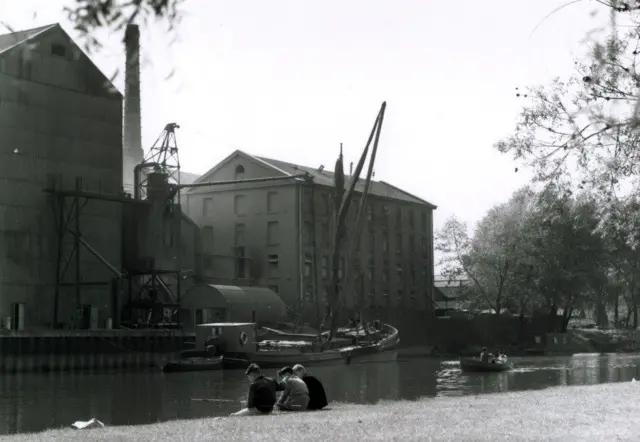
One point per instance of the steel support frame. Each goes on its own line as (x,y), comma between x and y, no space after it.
(152,282)
(67,209)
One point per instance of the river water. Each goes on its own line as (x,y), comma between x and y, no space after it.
(34,402)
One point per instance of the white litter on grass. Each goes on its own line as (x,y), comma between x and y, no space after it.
(88,425)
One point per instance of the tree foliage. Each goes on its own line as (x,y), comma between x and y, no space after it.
(540,249)
(91,15)
(586,126)
(491,257)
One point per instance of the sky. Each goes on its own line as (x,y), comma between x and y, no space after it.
(292,80)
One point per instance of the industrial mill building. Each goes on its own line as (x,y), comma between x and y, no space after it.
(277,233)
(60,131)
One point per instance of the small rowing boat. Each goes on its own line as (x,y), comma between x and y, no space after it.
(474,365)
(194,360)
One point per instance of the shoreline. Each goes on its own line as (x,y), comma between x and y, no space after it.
(580,413)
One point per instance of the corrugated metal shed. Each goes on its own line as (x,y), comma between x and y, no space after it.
(239,302)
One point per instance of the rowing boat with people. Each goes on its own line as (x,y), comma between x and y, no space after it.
(474,365)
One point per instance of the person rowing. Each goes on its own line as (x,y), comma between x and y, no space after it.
(317,395)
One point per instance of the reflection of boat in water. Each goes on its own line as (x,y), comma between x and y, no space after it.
(474,365)
(241,345)
(195,360)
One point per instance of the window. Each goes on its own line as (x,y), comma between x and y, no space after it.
(385,214)
(241,266)
(324,232)
(385,243)
(272,266)
(308,232)
(306,199)
(412,243)
(398,243)
(58,50)
(325,267)
(411,219)
(385,275)
(372,242)
(324,203)
(272,203)
(239,174)
(399,217)
(207,207)
(412,273)
(308,293)
(238,204)
(308,266)
(370,273)
(273,233)
(423,221)
(239,235)
(207,239)
(424,247)
(341,269)
(369,213)
(274,288)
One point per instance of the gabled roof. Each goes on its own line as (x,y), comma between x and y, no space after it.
(15,39)
(8,41)
(322,177)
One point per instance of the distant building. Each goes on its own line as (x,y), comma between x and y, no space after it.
(451,294)
(278,234)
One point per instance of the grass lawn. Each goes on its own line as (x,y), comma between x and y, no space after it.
(609,412)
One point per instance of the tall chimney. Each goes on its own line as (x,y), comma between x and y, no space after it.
(351,168)
(133,153)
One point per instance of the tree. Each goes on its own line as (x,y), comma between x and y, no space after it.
(586,125)
(620,230)
(91,15)
(568,251)
(490,258)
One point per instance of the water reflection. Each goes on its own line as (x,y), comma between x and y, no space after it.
(34,402)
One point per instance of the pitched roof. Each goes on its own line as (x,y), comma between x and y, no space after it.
(325,178)
(8,41)
(320,177)
(14,39)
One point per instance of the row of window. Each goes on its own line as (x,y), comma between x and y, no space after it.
(241,205)
(273,238)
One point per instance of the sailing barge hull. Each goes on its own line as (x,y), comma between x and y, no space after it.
(242,348)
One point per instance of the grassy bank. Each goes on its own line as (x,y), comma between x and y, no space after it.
(593,413)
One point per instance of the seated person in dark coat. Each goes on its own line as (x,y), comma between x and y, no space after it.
(317,395)
(262,393)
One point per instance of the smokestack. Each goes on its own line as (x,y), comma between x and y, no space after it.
(133,153)
(351,168)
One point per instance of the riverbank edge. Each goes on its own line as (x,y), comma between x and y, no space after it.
(585,413)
